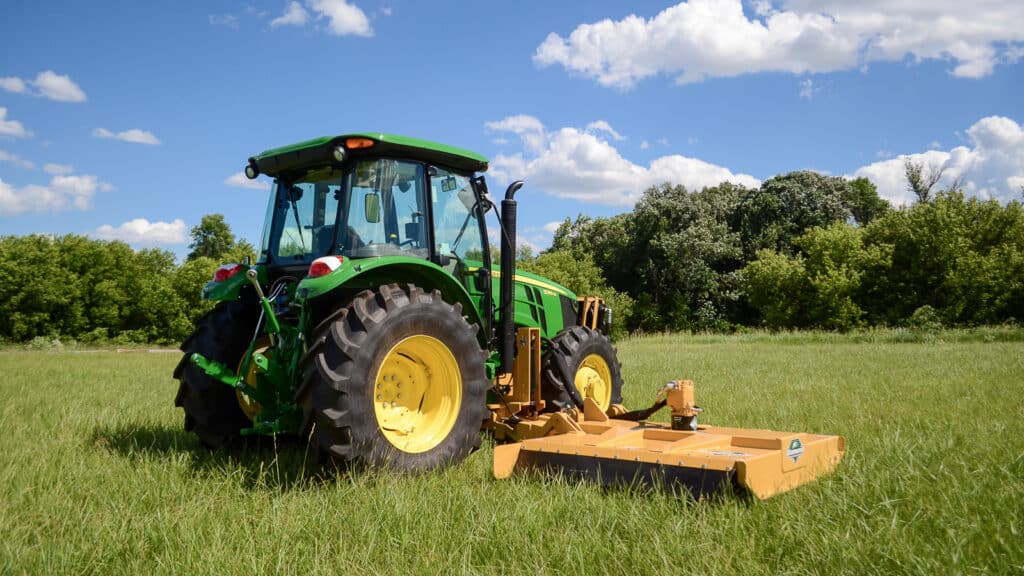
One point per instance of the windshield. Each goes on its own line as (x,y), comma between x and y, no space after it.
(384,210)
(376,207)
(304,217)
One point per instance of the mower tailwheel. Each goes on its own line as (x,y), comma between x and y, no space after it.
(581,363)
(395,379)
(212,409)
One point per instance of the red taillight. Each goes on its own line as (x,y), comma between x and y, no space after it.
(324,266)
(226,271)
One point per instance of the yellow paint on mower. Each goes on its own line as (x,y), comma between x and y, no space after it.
(702,459)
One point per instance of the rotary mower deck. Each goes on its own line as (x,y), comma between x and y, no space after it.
(627,449)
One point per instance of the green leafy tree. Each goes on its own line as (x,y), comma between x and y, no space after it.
(962,257)
(211,238)
(686,255)
(786,206)
(37,295)
(821,285)
(862,199)
(777,286)
(837,263)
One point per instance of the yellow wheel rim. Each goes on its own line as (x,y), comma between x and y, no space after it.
(249,406)
(594,380)
(417,394)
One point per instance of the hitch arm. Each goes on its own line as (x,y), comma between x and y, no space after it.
(225,375)
(268,311)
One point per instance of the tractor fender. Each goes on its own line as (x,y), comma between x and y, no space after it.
(370,273)
(230,290)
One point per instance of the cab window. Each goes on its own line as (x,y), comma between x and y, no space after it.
(384,211)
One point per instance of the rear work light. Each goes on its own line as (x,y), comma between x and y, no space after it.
(226,271)
(324,266)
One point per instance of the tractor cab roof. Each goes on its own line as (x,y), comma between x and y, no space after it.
(318,151)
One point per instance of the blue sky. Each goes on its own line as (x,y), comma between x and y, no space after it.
(131,120)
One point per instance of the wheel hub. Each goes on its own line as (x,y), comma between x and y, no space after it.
(593,380)
(417,394)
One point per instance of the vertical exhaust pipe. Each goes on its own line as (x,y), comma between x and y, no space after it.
(507,330)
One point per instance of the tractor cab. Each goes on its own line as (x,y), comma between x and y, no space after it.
(381,199)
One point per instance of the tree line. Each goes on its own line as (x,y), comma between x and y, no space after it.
(802,250)
(75,287)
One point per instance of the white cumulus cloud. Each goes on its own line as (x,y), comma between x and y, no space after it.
(526,127)
(16,160)
(11,127)
(51,168)
(240,180)
(64,192)
(343,19)
(552,227)
(16,85)
(992,166)
(714,38)
(574,163)
(142,232)
(134,135)
(56,87)
(294,15)
(603,126)
(48,84)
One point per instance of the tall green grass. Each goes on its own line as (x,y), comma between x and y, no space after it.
(96,476)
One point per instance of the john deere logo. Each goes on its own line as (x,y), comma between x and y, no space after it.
(796,449)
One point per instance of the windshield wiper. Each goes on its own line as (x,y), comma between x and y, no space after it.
(294,194)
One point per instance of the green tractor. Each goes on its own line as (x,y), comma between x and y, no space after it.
(375,323)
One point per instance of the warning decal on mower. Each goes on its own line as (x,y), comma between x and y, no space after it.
(796,449)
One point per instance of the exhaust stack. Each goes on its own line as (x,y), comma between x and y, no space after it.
(507,330)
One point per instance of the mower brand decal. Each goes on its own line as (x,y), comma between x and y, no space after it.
(796,449)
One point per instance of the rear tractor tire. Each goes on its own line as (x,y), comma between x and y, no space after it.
(396,380)
(581,363)
(212,409)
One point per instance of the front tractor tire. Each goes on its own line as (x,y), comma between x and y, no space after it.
(581,363)
(395,380)
(212,408)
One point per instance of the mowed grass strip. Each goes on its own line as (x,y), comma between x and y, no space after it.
(96,476)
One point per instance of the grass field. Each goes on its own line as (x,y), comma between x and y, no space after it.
(96,476)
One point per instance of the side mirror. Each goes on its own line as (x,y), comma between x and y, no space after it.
(468,199)
(371,207)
